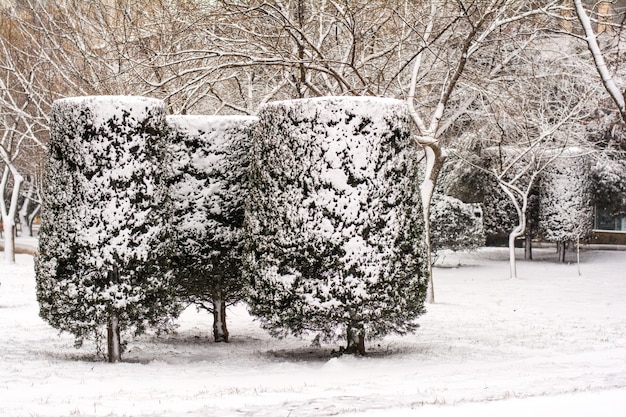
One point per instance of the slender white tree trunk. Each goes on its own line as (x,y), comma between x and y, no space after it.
(607,78)
(435,157)
(517,230)
(8,213)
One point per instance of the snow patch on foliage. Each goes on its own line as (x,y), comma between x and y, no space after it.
(104,109)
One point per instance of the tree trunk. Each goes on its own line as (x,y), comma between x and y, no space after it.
(9,241)
(528,245)
(512,261)
(8,214)
(578,254)
(113,339)
(561,246)
(566,13)
(604,10)
(23,214)
(356,341)
(521,226)
(220,331)
(31,218)
(435,158)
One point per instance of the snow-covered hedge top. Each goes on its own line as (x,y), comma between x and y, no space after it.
(351,143)
(325,110)
(209,163)
(105,108)
(349,131)
(198,124)
(116,145)
(376,104)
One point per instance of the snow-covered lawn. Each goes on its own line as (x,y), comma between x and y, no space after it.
(550,343)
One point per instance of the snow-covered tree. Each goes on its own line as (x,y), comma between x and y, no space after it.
(608,183)
(103,245)
(210,161)
(334,223)
(534,113)
(27,85)
(565,210)
(499,212)
(444,91)
(455,225)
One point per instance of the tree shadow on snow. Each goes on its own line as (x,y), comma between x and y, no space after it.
(323,354)
(73,357)
(303,354)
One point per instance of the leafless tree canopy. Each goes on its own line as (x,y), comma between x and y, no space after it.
(464,66)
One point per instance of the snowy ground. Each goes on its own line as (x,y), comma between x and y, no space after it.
(551,343)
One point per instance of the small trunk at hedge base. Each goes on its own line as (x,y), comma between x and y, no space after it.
(220,331)
(561,249)
(113,339)
(528,245)
(356,341)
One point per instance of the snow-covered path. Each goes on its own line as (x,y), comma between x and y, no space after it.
(550,343)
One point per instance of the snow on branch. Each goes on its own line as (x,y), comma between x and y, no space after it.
(592,43)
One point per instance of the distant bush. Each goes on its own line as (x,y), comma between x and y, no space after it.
(565,210)
(455,225)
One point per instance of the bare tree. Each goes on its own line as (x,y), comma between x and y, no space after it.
(604,37)
(535,111)
(23,95)
(303,48)
(464,45)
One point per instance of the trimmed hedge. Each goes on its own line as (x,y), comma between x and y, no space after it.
(334,221)
(103,242)
(210,161)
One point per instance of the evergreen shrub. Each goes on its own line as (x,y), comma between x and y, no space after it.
(103,243)
(335,233)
